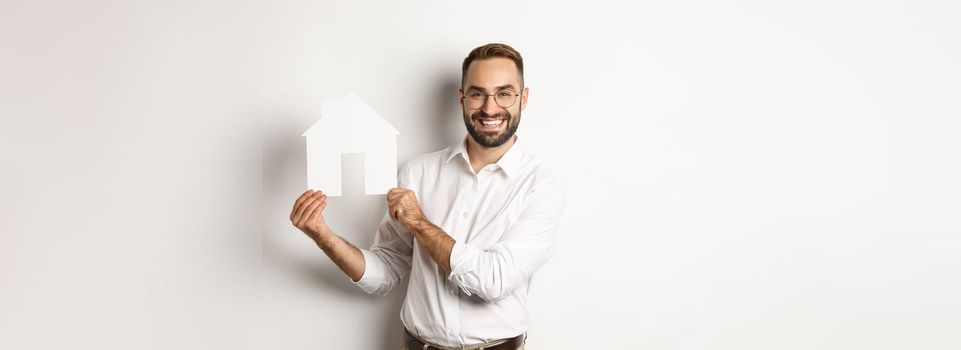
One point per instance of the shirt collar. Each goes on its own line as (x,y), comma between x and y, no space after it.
(458,148)
(510,162)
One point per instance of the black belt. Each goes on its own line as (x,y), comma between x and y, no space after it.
(415,343)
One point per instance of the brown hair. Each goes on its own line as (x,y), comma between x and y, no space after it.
(490,51)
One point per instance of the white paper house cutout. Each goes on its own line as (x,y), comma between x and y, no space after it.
(349,125)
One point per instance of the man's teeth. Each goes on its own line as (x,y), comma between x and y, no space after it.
(492,122)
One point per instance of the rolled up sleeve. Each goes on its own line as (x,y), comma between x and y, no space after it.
(495,273)
(388,260)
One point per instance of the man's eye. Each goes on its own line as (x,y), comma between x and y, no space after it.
(505,94)
(475,94)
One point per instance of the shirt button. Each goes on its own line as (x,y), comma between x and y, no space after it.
(463,214)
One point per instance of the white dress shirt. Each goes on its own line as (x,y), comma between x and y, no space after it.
(504,221)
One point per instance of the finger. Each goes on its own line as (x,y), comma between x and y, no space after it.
(310,209)
(398,195)
(315,208)
(319,212)
(303,205)
(298,201)
(391,208)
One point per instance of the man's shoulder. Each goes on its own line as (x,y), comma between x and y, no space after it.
(540,175)
(428,158)
(424,161)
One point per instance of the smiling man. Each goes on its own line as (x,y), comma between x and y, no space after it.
(469,224)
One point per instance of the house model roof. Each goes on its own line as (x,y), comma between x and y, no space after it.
(349,116)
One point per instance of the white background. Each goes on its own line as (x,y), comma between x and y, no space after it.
(741,175)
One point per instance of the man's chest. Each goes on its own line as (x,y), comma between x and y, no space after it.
(476,210)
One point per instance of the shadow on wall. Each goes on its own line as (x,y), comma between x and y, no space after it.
(446,112)
(354,216)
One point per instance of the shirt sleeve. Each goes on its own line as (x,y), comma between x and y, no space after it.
(495,273)
(388,261)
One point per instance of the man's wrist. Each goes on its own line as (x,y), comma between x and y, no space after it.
(419,225)
(324,236)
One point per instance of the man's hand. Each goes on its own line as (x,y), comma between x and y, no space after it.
(403,206)
(308,215)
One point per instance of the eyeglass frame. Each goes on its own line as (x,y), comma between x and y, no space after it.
(486,96)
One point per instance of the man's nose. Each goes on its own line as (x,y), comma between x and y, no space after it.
(490,106)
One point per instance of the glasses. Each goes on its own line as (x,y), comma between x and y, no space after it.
(504,98)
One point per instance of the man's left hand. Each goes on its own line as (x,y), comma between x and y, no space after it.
(403,206)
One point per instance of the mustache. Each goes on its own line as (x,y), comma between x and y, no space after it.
(482,114)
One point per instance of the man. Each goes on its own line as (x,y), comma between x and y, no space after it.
(470,224)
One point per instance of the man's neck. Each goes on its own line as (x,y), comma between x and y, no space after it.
(481,156)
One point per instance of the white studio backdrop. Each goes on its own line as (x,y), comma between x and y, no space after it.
(740,175)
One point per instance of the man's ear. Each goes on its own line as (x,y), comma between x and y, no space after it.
(524,98)
(460,97)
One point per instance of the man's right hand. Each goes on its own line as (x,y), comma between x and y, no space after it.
(308,215)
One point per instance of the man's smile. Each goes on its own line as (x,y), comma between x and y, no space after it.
(490,124)
(493,123)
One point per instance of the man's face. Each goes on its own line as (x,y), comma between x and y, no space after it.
(489,124)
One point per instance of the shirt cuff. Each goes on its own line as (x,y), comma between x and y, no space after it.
(373,276)
(461,256)
(458,254)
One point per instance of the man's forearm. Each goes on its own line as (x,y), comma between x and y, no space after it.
(347,257)
(437,242)
(403,206)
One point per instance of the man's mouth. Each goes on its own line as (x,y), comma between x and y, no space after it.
(490,124)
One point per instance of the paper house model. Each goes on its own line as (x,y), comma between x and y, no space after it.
(349,125)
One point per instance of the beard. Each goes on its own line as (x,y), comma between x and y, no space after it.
(488,139)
